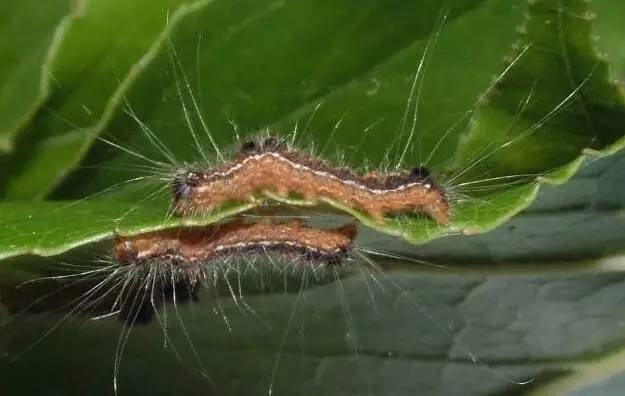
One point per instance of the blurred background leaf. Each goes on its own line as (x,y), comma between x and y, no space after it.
(101,49)
(608,28)
(23,54)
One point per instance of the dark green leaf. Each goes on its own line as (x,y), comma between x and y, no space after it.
(104,46)
(23,59)
(610,28)
(519,326)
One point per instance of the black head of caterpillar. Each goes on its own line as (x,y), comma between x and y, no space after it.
(269,165)
(262,145)
(422,174)
(184,183)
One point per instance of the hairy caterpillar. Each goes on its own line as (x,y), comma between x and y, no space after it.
(190,250)
(268,164)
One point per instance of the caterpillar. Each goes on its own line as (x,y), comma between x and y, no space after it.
(269,165)
(190,250)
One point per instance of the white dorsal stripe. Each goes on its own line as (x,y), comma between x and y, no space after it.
(258,157)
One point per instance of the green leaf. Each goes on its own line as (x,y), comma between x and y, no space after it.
(166,117)
(518,324)
(579,219)
(23,54)
(555,104)
(215,33)
(42,227)
(609,28)
(100,51)
(571,105)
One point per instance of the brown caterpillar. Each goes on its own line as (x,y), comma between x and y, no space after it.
(188,249)
(145,271)
(268,165)
(181,260)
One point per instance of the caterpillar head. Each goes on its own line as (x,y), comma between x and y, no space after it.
(125,251)
(421,174)
(184,183)
(266,145)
